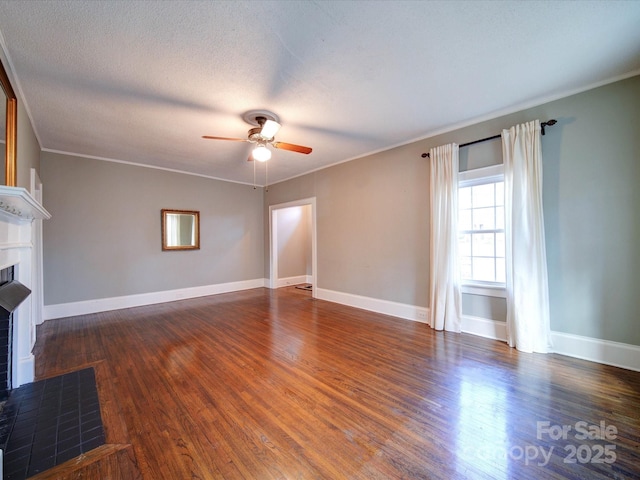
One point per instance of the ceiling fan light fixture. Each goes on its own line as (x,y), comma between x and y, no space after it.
(261,153)
(269,129)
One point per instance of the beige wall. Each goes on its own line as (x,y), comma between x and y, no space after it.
(28,149)
(104,241)
(294,241)
(370,238)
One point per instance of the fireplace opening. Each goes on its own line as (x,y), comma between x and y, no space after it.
(6,336)
(12,294)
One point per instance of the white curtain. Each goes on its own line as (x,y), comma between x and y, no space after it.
(527,284)
(445,304)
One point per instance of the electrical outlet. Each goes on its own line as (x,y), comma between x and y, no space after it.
(422,314)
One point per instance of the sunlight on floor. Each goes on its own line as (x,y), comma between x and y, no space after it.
(482,428)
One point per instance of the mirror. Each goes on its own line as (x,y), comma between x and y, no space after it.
(180,230)
(9,129)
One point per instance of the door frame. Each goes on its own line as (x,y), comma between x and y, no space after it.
(35,188)
(273,241)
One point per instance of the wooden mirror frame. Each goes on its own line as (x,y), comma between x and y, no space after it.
(11,130)
(195,244)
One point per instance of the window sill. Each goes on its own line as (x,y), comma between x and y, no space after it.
(485,290)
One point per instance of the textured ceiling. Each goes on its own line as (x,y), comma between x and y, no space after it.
(141,82)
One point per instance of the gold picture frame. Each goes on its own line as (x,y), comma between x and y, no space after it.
(11,128)
(180,229)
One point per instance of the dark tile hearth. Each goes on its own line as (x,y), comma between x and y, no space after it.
(46,423)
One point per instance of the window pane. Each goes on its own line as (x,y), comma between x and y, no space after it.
(483,195)
(499,193)
(464,220)
(484,218)
(500,245)
(483,245)
(499,218)
(464,245)
(464,197)
(500,270)
(482,249)
(465,268)
(484,269)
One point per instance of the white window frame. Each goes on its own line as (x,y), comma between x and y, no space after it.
(469,178)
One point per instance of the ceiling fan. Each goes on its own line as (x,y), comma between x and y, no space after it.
(263,134)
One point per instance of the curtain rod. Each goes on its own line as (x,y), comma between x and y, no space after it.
(548,123)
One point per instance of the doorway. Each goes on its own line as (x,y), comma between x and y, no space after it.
(282,229)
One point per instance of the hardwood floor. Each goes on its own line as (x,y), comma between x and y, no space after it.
(267,384)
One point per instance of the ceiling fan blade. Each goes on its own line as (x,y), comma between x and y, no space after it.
(292,147)
(208,137)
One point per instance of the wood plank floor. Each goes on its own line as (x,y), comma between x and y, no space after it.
(265,384)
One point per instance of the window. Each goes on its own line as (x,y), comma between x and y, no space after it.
(481,239)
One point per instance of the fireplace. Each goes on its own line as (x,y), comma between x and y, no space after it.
(21,274)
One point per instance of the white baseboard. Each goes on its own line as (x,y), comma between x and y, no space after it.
(284,282)
(592,349)
(484,327)
(71,309)
(402,310)
(617,354)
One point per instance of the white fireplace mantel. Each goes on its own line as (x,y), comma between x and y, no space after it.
(17,201)
(21,247)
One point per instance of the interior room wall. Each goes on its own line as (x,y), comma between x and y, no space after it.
(373,214)
(369,229)
(308,213)
(104,237)
(28,149)
(294,241)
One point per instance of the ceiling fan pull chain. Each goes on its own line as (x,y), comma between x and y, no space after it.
(254,175)
(266,176)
